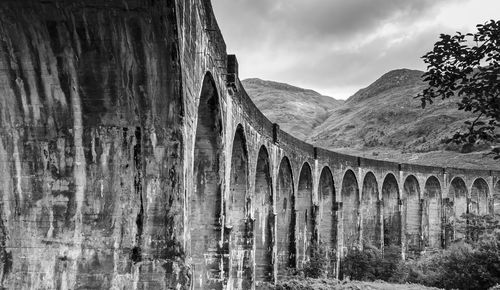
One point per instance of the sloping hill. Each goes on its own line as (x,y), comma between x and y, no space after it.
(297,110)
(381,121)
(386,114)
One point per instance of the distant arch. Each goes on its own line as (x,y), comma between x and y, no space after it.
(391,212)
(479,197)
(413,215)
(206,198)
(264,218)
(350,201)
(496,198)
(431,213)
(370,211)
(457,194)
(285,224)
(327,215)
(237,229)
(304,215)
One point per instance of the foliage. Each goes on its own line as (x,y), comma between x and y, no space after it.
(473,264)
(463,266)
(321,262)
(371,264)
(467,66)
(476,227)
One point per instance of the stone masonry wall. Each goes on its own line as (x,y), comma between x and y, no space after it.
(132,158)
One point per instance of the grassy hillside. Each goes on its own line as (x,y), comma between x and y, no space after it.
(381,121)
(297,110)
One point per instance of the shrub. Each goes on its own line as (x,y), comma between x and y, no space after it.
(462,266)
(371,264)
(321,263)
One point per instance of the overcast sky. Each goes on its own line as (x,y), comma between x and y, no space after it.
(339,46)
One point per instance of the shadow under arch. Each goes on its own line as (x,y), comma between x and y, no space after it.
(431,214)
(264,218)
(391,212)
(479,197)
(350,206)
(304,219)
(496,198)
(454,209)
(237,230)
(370,211)
(413,210)
(206,197)
(327,216)
(285,224)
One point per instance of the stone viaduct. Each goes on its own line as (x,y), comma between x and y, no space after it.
(132,158)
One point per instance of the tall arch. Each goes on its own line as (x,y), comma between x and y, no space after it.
(206,198)
(431,213)
(413,215)
(285,225)
(458,195)
(264,218)
(392,214)
(304,216)
(496,198)
(369,209)
(327,216)
(479,197)
(350,201)
(238,234)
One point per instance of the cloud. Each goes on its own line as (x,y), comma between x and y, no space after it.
(333,46)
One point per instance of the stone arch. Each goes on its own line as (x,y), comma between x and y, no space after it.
(304,218)
(327,215)
(496,198)
(206,198)
(350,201)
(431,213)
(413,215)
(237,231)
(264,218)
(391,212)
(285,225)
(369,211)
(479,197)
(457,195)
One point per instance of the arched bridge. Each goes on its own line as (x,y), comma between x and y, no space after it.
(132,158)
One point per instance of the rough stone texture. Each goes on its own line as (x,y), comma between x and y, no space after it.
(496,198)
(350,199)
(391,212)
(304,219)
(327,221)
(264,219)
(458,196)
(431,214)
(132,158)
(413,215)
(370,211)
(284,218)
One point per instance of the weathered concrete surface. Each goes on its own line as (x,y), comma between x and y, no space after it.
(132,158)
(370,211)
(413,217)
(391,212)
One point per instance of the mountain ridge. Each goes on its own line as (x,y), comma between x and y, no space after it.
(297,110)
(384,120)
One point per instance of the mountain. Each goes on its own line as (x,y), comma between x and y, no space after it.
(382,121)
(296,110)
(386,114)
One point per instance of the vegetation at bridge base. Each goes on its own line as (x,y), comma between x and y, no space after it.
(467,66)
(472,263)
